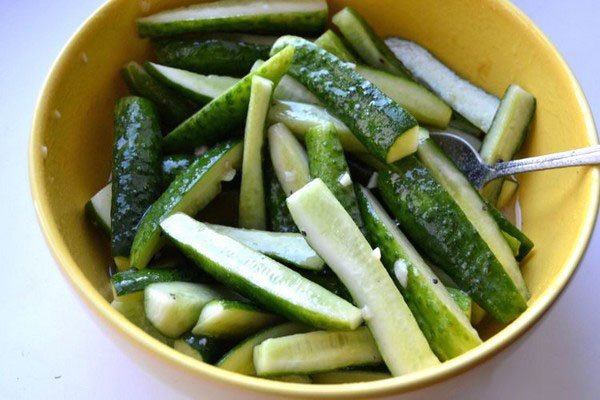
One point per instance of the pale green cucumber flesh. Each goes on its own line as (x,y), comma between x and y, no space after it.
(333,234)
(98,208)
(311,352)
(287,247)
(131,306)
(252,208)
(276,16)
(290,89)
(226,113)
(331,42)
(189,192)
(240,358)
(472,102)
(261,279)
(230,319)
(507,133)
(200,88)
(289,158)
(443,323)
(299,118)
(174,307)
(425,106)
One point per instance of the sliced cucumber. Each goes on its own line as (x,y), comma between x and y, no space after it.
(329,281)
(327,162)
(290,89)
(280,219)
(277,16)
(462,300)
(425,106)
(507,133)
(331,42)
(172,107)
(252,208)
(472,102)
(136,173)
(225,113)
(289,248)
(209,55)
(229,319)
(299,118)
(202,348)
(311,352)
(335,377)
(131,281)
(437,225)
(446,173)
(507,193)
(443,323)
(259,278)
(132,308)
(336,238)
(189,192)
(241,37)
(174,307)
(240,359)
(98,208)
(200,88)
(477,314)
(367,43)
(173,165)
(461,124)
(382,126)
(289,158)
(519,243)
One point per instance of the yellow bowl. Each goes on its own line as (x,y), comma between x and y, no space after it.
(489,42)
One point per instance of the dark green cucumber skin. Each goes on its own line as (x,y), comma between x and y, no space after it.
(172,107)
(329,280)
(136,173)
(220,118)
(327,161)
(280,219)
(438,228)
(173,165)
(299,23)
(508,227)
(389,61)
(132,280)
(374,118)
(210,56)
(182,184)
(211,349)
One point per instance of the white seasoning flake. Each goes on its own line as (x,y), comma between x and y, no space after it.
(289,176)
(373,181)
(401,272)
(345,179)
(198,151)
(56,114)
(84,57)
(377,253)
(229,175)
(366,313)
(44,151)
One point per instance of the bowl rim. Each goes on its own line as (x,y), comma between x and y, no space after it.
(395,385)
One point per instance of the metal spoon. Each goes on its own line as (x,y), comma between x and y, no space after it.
(467,159)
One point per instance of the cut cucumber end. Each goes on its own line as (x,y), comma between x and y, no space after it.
(405,145)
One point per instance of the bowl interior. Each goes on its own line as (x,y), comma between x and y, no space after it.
(487,41)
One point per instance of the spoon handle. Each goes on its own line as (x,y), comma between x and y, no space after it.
(586,156)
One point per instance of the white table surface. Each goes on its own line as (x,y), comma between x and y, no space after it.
(51,346)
